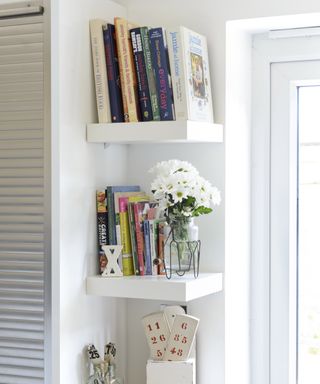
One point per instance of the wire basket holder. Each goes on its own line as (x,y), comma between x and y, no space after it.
(177,249)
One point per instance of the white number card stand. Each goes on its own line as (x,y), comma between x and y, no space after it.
(181,338)
(112,252)
(157,331)
(170,335)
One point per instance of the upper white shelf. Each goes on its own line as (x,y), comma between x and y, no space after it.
(180,131)
(180,289)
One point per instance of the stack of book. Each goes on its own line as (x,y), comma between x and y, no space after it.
(149,74)
(126,216)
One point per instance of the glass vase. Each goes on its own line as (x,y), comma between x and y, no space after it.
(182,248)
(110,376)
(97,376)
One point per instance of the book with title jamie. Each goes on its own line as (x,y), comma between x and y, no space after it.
(189,66)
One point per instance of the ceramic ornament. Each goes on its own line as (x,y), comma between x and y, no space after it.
(181,339)
(112,252)
(157,332)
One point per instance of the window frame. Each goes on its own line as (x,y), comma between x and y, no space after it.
(267,52)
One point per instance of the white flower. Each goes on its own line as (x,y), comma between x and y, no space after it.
(180,190)
(215,196)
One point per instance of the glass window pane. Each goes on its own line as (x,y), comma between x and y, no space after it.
(309,237)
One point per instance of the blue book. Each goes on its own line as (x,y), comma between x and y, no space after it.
(113,74)
(142,79)
(110,190)
(147,247)
(160,61)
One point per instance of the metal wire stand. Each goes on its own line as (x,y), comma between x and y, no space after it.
(192,261)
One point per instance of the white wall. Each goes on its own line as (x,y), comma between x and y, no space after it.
(82,168)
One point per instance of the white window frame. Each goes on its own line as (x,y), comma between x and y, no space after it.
(265,225)
(247,361)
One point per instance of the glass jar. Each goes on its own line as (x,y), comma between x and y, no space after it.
(97,376)
(182,246)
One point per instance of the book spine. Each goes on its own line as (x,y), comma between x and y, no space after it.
(118,234)
(143,88)
(111,218)
(139,238)
(147,253)
(178,74)
(161,242)
(160,61)
(102,227)
(133,239)
(153,248)
(113,74)
(127,73)
(150,74)
(127,265)
(127,261)
(99,70)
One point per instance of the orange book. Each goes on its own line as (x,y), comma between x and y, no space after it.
(127,72)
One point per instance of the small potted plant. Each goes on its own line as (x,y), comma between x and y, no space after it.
(182,194)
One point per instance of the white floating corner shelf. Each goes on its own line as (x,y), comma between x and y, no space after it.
(179,131)
(178,289)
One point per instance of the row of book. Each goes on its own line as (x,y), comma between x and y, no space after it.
(126,216)
(149,74)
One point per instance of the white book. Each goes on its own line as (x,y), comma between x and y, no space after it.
(189,66)
(100,70)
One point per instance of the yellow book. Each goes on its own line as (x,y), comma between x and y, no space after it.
(127,256)
(127,72)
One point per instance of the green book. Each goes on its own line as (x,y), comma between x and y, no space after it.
(150,73)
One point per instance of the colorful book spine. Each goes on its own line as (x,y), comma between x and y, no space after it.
(127,72)
(127,260)
(161,242)
(102,227)
(160,61)
(139,238)
(178,73)
(150,73)
(99,70)
(111,208)
(132,227)
(153,224)
(113,74)
(140,65)
(147,247)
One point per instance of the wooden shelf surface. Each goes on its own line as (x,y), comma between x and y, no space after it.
(180,289)
(180,131)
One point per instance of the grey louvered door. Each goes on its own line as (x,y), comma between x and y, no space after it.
(22,197)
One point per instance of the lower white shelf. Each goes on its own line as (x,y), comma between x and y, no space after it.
(180,289)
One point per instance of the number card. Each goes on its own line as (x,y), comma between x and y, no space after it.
(109,353)
(93,354)
(157,331)
(181,338)
(171,311)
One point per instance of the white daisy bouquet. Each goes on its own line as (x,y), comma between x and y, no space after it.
(181,191)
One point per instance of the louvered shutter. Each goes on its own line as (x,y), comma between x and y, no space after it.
(22,196)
